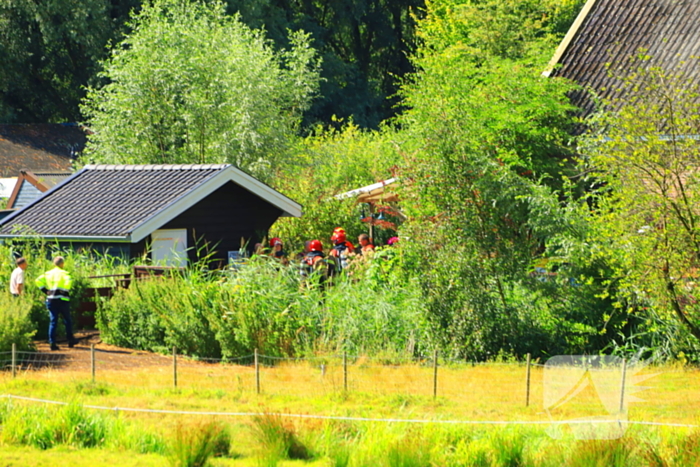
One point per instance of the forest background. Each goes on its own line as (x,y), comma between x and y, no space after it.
(519,232)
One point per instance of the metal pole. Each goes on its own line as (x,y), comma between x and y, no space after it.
(622,385)
(435,368)
(92,361)
(175,367)
(527,382)
(345,371)
(14,360)
(257,372)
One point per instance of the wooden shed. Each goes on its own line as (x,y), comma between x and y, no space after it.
(165,211)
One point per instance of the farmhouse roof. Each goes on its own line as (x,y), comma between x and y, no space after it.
(31,184)
(125,203)
(42,146)
(608,35)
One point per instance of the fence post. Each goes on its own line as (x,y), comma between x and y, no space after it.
(435,368)
(622,386)
(527,382)
(92,361)
(345,371)
(257,372)
(14,360)
(175,367)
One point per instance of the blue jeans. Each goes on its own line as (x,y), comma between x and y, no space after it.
(59,308)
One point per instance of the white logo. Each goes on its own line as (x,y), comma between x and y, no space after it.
(603,385)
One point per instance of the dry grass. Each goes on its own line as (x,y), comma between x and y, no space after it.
(482,392)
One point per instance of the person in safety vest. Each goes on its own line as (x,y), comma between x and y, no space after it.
(313,260)
(56,284)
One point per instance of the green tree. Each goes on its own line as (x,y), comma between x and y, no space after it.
(484,136)
(646,198)
(50,50)
(365,46)
(192,85)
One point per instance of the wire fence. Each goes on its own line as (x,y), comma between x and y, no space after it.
(513,384)
(434,376)
(485,388)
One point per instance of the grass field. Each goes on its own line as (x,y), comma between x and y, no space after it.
(493,392)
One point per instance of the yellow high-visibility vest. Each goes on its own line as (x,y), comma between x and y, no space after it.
(56,284)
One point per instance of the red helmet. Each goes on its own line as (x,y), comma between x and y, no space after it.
(337,231)
(315,245)
(274,241)
(339,237)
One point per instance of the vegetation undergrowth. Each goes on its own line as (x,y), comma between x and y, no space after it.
(272,439)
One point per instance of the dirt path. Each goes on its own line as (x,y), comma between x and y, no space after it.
(77,358)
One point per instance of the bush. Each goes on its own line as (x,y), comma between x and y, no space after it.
(16,326)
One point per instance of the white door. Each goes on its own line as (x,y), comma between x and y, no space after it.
(169,247)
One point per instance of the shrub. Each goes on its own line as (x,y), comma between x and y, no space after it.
(16,326)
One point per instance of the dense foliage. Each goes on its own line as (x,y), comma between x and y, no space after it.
(192,85)
(267,307)
(515,236)
(51,50)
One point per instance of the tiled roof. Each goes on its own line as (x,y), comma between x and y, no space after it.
(44,146)
(50,179)
(614,31)
(116,200)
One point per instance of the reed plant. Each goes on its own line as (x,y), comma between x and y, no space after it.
(263,306)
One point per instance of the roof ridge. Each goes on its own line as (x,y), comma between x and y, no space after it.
(132,167)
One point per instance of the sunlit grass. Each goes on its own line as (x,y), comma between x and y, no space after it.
(483,392)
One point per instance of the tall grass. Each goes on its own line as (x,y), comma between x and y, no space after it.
(193,445)
(16,326)
(72,425)
(278,439)
(343,444)
(266,307)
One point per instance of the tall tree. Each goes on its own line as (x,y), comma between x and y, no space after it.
(646,221)
(365,46)
(192,85)
(49,52)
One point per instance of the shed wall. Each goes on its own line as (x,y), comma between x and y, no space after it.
(223,218)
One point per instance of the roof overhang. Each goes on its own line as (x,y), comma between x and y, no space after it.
(371,193)
(573,30)
(71,238)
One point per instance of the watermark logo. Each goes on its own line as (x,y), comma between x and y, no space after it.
(601,385)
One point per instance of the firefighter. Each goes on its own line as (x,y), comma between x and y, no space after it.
(314,260)
(341,250)
(56,284)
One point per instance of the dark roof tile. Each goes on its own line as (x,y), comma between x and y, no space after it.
(108,200)
(614,31)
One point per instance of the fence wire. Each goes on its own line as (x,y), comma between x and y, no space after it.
(405,381)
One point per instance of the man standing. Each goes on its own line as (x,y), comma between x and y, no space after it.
(17,277)
(56,284)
